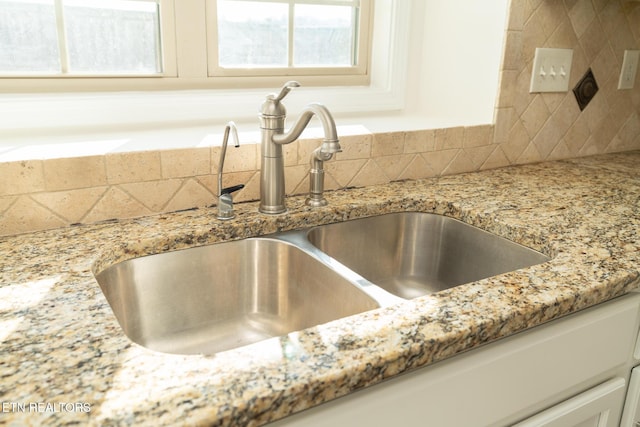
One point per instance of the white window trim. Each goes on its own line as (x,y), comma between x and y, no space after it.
(44,114)
(327,76)
(36,80)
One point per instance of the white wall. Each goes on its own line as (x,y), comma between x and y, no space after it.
(459,59)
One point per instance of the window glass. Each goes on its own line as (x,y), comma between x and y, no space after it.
(252,34)
(79,37)
(287,33)
(28,36)
(112,36)
(324,35)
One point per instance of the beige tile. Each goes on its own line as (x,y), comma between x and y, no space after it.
(593,40)
(26,215)
(553,100)
(74,173)
(71,205)
(603,134)
(115,203)
(630,132)
(289,153)
(387,144)
(305,149)
(419,141)
(512,55)
(153,194)
(564,36)
(344,171)
(6,202)
(293,176)
(251,189)
(190,195)
(478,136)
(133,167)
(460,164)
(238,159)
(496,159)
(551,15)
(505,119)
(393,166)
(417,169)
(581,15)
(355,147)
(606,66)
(529,155)
(517,15)
(535,116)
(329,183)
(22,177)
(560,151)
(210,182)
(449,138)
(589,148)
(517,142)
(479,155)
(522,97)
(185,162)
(508,86)
(370,174)
(439,160)
(533,35)
(577,135)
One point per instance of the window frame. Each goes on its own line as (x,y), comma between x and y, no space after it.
(166,61)
(30,113)
(315,76)
(186,62)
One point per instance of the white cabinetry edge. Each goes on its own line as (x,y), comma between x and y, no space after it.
(500,383)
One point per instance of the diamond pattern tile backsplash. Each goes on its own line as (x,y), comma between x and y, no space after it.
(42,194)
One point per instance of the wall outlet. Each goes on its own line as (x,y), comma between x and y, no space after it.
(551,70)
(629,69)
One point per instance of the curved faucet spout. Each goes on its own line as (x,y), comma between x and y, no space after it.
(330,144)
(272,139)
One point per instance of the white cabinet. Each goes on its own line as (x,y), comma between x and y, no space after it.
(631,415)
(598,407)
(587,355)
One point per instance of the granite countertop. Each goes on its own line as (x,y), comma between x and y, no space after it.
(64,358)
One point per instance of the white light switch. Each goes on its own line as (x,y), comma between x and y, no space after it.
(551,70)
(629,68)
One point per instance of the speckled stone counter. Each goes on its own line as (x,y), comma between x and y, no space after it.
(64,358)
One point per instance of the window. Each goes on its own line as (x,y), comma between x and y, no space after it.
(71,45)
(80,37)
(47,106)
(288,37)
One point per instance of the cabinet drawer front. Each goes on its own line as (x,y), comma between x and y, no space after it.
(599,406)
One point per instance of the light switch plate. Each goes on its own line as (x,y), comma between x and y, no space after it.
(551,70)
(629,69)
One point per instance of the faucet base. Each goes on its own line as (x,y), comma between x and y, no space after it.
(272,210)
(316,202)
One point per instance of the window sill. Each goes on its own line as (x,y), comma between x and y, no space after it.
(83,143)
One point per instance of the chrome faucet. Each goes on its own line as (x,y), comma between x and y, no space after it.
(273,137)
(225,200)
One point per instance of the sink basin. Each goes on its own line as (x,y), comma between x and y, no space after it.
(412,254)
(213,298)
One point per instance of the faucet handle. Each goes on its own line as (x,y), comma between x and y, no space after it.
(231,189)
(284,91)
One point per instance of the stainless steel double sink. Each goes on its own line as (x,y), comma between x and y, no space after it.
(208,299)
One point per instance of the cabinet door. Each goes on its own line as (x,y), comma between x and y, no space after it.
(598,407)
(631,414)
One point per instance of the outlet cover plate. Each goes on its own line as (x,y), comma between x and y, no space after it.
(551,70)
(629,69)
